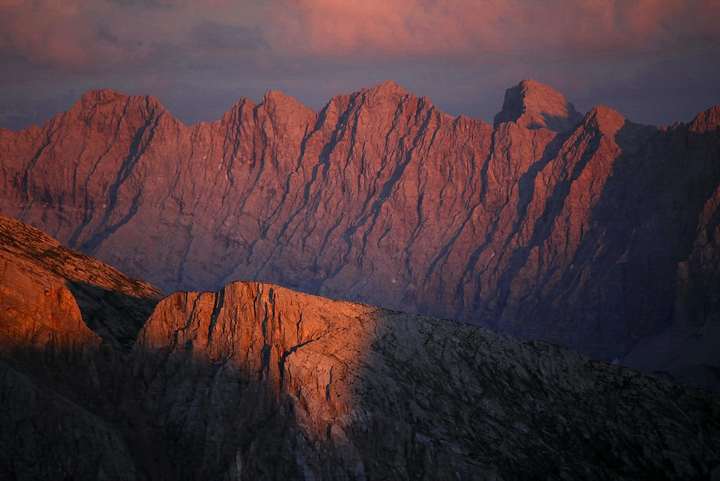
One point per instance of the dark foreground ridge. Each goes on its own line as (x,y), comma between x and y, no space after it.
(260,382)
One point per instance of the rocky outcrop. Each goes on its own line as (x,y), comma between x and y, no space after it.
(256,381)
(545,225)
(52,295)
(256,373)
(58,311)
(533,105)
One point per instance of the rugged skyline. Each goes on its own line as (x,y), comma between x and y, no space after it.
(359,240)
(650,59)
(584,229)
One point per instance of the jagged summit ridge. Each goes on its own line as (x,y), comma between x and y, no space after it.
(382,198)
(707,121)
(604,119)
(388,87)
(93,99)
(101,95)
(534,105)
(530,103)
(272,99)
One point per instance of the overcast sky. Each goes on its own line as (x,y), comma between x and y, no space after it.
(654,60)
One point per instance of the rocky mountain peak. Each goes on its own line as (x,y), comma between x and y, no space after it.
(278,101)
(101,96)
(707,121)
(385,90)
(389,87)
(534,105)
(287,111)
(106,104)
(604,119)
(383,199)
(278,97)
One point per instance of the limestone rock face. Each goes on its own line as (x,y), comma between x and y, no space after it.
(267,383)
(257,381)
(56,308)
(534,105)
(52,295)
(546,225)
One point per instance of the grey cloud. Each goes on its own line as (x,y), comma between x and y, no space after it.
(199,57)
(214,36)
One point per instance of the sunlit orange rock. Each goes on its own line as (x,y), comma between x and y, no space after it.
(263,381)
(548,224)
(257,381)
(56,308)
(53,297)
(534,105)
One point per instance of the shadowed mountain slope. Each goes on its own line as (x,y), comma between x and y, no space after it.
(590,231)
(259,382)
(52,294)
(348,391)
(57,308)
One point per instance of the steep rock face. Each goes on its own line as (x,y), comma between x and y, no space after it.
(257,381)
(534,106)
(56,307)
(574,233)
(266,383)
(687,348)
(50,294)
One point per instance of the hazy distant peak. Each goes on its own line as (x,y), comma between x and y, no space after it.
(707,121)
(387,88)
(278,96)
(102,95)
(93,99)
(605,119)
(534,105)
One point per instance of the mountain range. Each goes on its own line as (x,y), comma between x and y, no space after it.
(584,229)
